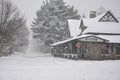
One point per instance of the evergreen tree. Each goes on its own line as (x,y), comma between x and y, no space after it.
(100,10)
(50,25)
(83,15)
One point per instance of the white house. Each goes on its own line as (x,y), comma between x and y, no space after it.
(98,37)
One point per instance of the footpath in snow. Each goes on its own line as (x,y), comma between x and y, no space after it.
(46,67)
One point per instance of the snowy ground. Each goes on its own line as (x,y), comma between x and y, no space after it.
(46,67)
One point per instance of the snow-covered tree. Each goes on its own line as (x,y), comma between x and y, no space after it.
(11,21)
(100,10)
(50,25)
(83,15)
(21,39)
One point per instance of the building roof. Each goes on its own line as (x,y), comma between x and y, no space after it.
(74,27)
(94,26)
(102,27)
(78,37)
(70,39)
(111,38)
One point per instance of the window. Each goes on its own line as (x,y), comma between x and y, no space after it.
(108,17)
(105,48)
(118,49)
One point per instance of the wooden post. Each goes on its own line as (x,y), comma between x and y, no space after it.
(78,49)
(78,52)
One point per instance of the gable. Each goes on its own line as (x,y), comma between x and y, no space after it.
(92,39)
(82,27)
(108,17)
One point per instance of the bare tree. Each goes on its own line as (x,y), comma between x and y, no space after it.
(10,21)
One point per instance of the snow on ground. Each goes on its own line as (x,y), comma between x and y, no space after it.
(46,67)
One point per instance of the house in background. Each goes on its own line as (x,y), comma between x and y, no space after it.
(97,37)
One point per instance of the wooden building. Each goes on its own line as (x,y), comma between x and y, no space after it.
(95,38)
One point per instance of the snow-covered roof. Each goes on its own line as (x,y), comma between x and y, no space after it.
(74,38)
(74,27)
(111,38)
(102,27)
(70,39)
(94,26)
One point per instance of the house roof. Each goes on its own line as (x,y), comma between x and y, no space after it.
(70,39)
(102,27)
(94,26)
(77,37)
(74,27)
(111,38)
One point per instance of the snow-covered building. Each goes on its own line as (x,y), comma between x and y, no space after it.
(97,37)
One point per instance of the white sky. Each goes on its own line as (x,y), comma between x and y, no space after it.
(29,7)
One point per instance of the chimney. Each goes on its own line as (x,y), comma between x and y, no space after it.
(92,14)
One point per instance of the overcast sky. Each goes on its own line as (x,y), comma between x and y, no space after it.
(29,7)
